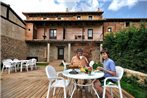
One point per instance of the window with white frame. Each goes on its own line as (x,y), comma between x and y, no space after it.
(90,33)
(78,17)
(109,29)
(53,34)
(89,17)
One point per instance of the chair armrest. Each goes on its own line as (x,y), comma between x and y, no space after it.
(61,78)
(108,78)
(67,63)
(60,72)
(57,78)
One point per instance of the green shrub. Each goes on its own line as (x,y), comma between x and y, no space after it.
(95,65)
(131,85)
(128,48)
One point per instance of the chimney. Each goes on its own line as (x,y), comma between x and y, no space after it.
(98,9)
(66,9)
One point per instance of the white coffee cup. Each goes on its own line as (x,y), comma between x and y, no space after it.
(81,57)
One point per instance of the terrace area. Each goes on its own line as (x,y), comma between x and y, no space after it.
(34,84)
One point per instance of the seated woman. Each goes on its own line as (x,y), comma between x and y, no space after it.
(109,70)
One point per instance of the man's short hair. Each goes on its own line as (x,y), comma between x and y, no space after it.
(79,50)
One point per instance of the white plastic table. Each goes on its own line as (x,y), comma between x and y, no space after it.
(22,62)
(82,76)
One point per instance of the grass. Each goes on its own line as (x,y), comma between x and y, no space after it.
(134,89)
(42,63)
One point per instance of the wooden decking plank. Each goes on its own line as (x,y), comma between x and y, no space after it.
(58,94)
(127,94)
(31,89)
(34,84)
(9,85)
(19,89)
(26,89)
(77,94)
(35,89)
(7,92)
(40,92)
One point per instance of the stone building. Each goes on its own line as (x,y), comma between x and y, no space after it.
(50,36)
(56,35)
(53,35)
(12,34)
(117,24)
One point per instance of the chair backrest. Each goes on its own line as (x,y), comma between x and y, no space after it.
(119,72)
(29,62)
(64,64)
(16,60)
(9,60)
(91,63)
(7,63)
(34,61)
(50,72)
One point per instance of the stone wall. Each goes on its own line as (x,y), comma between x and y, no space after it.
(12,34)
(139,75)
(12,48)
(37,50)
(90,50)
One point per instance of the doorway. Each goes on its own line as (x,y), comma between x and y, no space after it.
(60,52)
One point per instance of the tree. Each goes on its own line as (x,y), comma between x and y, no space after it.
(128,47)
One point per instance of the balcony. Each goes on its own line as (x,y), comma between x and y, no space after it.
(79,36)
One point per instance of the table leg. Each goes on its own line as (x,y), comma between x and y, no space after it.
(75,86)
(95,91)
(21,67)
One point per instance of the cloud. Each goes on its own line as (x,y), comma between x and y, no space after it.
(85,5)
(20,6)
(118,4)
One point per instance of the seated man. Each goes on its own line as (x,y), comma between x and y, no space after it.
(79,60)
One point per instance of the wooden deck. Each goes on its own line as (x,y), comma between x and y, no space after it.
(33,84)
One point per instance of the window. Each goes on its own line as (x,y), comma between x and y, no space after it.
(109,29)
(90,33)
(127,24)
(53,33)
(59,18)
(44,18)
(78,17)
(90,17)
(64,33)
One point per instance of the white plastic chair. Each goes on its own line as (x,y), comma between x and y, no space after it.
(55,80)
(34,61)
(91,64)
(8,65)
(17,63)
(65,64)
(119,74)
(26,64)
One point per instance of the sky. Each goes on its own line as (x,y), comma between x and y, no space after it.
(111,8)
